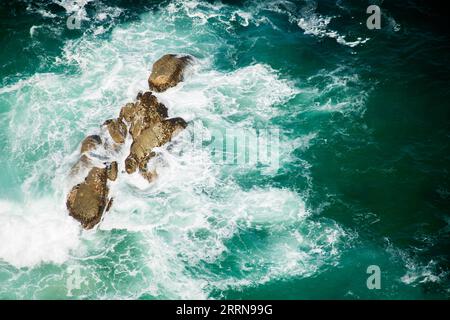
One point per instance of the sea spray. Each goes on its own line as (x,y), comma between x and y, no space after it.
(361,178)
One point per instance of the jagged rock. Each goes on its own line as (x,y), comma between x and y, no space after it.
(144,113)
(117,129)
(90,143)
(162,110)
(145,116)
(148,99)
(157,135)
(140,150)
(168,128)
(112,171)
(87,201)
(127,112)
(167,72)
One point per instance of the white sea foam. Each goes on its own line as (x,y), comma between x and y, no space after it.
(36,232)
(416,272)
(33,30)
(318,26)
(196,208)
(75,7)
(255,13)
(339,90)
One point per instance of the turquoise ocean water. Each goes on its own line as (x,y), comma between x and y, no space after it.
(363,117)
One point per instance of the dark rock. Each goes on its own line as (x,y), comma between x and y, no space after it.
(148,99)
(108,206)
(162,110)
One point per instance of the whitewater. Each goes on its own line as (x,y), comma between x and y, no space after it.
(202,229)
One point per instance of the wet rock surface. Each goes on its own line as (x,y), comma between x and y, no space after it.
(90,143)
(86,201)
(117,130)
(112,171)
(168,72)
(144,121)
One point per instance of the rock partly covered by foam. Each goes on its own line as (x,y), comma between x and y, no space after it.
(142,114)
(83,163)
(155,136)
(168,72)
(117,129)
(112,171)
(146,120)
(88,200)
(90,143)
(149,128)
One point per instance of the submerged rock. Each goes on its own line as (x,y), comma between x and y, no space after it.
(150,175)
(168,72)
(83,163)
(87,201)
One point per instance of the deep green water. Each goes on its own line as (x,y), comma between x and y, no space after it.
(363,117)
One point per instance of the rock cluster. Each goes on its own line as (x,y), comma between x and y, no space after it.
(147,124)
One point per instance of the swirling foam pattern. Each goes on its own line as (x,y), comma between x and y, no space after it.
(203,229)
